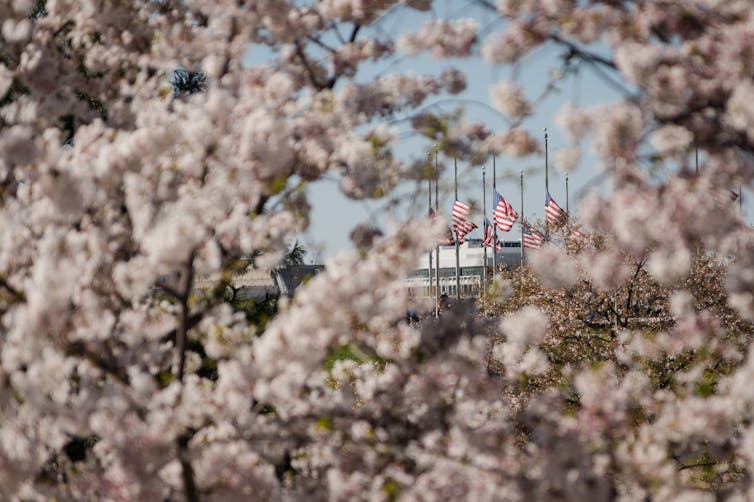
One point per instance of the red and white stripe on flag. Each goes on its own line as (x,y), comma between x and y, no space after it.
(577,235)
(533,239)
(553,210)
(489,237)
(461,222)
(503,213)
(489,234)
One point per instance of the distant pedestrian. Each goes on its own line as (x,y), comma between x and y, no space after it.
(412,317)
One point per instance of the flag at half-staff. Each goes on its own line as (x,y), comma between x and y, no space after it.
(553,210)
(576,235)
(576,239)
(461,216)
(532,238)
(489,237)
(503,213)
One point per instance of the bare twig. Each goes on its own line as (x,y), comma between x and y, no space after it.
(355,32)
(80,349)
(700,464)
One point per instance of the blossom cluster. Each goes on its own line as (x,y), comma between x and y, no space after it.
(617,366)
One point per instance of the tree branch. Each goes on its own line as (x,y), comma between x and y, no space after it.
(193,320)
(187,471)
(355,32)
(187,282)
(17,295)
(581,53)
(305,62)
(80,349)
(259,208)
(320,43)
(701,464)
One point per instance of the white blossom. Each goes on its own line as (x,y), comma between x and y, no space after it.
(509,98)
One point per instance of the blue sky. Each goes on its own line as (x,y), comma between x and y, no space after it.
(334,215)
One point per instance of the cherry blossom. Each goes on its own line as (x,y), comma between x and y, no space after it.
(131,369)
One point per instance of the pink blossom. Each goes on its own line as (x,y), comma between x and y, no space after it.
(509,98)
(566,159)
(739,109)
(574,121)
(443,38)
(671,139)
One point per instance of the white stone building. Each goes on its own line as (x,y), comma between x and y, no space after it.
(471,266)
(266,283)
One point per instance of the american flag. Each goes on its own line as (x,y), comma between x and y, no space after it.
(489,234)
(532,238)
(503,213)
(489,237)
(553,210)
(461,222)
(577,235)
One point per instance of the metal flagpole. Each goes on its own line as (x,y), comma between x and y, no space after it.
(522,216)
(437,248)
(568,214)
(547,181)
(494,227)
(458,278)
(547,187)
(429,270)
(484,231)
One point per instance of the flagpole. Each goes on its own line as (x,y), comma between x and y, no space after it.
(522,217)
(494,227)
(458,261)
(429,270)
(568,214)
(437,248)
(547,179)
(484,227)
(547,186)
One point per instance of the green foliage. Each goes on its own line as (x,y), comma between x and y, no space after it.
(258,312)
(296,254)
(391,490)
(325,424)
(94,103)
(39,10)
(706,387)
(342,353)
(186,82)
(164,378)
(208,369)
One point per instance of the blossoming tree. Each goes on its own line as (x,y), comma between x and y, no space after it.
(120,381)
